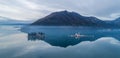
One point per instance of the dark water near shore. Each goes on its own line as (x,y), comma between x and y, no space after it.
(18,41)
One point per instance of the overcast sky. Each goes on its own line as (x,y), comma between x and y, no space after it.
(34,9)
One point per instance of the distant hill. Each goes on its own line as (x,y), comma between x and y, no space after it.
(65,18)
(8,21)
(116,21)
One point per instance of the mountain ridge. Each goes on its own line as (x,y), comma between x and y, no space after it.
(65,18)
(7,21)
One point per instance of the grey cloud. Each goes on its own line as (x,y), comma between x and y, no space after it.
(100,8)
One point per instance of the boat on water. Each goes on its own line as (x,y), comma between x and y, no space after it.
(77,35)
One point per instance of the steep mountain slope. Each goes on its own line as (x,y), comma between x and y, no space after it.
(65,18)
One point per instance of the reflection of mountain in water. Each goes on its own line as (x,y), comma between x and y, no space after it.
(63,39)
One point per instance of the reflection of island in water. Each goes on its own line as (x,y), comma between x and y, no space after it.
(63,39)
(36,36)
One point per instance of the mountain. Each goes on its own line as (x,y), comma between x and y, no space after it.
(8,21)
(65,18)
(116,22)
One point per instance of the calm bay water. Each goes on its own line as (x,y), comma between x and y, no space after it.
(17,41)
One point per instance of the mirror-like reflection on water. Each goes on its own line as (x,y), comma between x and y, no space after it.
(58,42)
(66,36)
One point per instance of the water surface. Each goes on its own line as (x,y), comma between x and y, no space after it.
(19,41)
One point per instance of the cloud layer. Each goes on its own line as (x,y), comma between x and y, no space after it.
(34,9)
